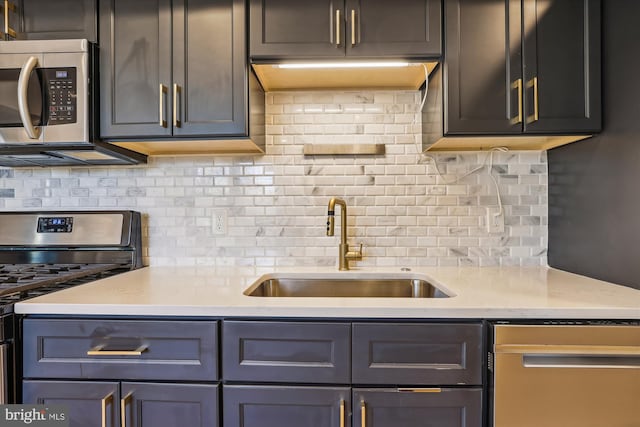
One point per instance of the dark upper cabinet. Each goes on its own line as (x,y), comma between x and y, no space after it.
(59,19)
(335,28)
(406,28)
(562,65)
(522,66)
(135,67)
(173,68)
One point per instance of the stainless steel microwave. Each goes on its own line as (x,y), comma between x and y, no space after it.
(48,106)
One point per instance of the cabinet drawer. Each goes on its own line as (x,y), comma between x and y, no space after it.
(417,354)
(114,349)
(286,352)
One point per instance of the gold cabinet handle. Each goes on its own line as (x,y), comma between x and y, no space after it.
(103,405)
(8,6)
(518,85)
(533,83)
(536,105)
(99,351)
(176,92)
(123,408)
(363,414)
(163,90)
(337,27)
(342,413)
(353,27)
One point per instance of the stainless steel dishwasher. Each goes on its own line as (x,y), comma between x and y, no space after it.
(560,375)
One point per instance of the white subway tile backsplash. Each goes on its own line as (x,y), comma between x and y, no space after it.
(399,206)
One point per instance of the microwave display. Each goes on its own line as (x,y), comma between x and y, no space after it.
(61,89)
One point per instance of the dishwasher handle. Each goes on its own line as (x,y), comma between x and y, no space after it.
(574,356)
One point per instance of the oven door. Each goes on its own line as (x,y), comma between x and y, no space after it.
(22,100)
(566,376)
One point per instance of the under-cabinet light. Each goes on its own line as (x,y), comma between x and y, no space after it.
(316,65)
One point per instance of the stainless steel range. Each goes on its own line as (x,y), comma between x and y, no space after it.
(43,252)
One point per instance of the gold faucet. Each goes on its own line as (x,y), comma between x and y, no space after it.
(345,255)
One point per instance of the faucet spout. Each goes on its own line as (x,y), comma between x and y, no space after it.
(331,218)
(344,254)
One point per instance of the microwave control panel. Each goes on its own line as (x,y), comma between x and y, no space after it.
(61,88)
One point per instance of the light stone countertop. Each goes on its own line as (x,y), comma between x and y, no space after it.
(480,292)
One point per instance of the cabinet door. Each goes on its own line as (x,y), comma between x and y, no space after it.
(209,66)
(296,28)
(483,67)
(264,406)
(419,408)
(562,65)
(170,405)
(135,68)
(88,404)
(402,28)
(60,19)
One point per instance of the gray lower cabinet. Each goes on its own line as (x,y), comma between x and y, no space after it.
(420,374)
(417,353)
(295,352)
(169,405)
(87,403)
(285,406)
(447,407)
(121,349)
(173,68)
(100,404)
(124,372)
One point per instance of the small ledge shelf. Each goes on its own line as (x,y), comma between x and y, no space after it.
(344,149)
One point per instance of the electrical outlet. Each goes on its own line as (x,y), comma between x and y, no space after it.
(494,221)
(220,222)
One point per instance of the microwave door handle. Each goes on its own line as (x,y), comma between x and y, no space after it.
(23,101)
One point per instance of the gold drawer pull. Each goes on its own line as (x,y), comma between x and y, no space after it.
(99,351)
(341,412)
(420,390)
(363,414)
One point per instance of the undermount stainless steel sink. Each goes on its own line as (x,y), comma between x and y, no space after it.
(370,287)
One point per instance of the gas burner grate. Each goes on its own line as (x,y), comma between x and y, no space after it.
(22,278)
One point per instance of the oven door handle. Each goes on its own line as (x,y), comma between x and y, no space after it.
(23,100)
